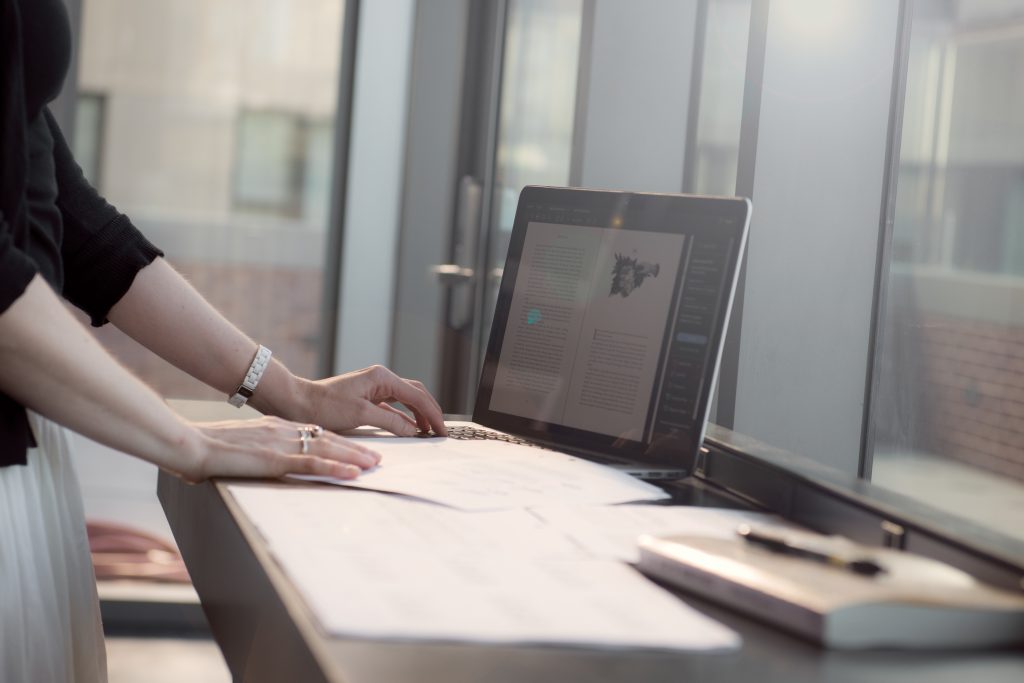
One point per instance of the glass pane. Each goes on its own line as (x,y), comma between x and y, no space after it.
(949,413)
(538,101)
(217,125)
(723,74)
(266,178)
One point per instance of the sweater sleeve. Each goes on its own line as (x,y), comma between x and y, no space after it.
(102,251)
(16,269)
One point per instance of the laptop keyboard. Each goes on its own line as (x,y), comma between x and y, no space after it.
(466,433)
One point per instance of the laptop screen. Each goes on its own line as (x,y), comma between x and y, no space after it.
(609,321)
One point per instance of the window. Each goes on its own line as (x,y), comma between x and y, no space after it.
(283,165)
(539,76)
(217,140)
(949,412)
(269,162)
(723,70)
(214,133)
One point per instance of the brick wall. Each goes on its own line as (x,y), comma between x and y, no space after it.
(971,376)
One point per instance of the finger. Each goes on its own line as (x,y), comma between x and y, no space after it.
(336,448)
(421,423)
(395,421)
(313,465)
(423,387)
(421,403)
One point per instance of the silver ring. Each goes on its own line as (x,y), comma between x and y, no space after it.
(315,431)
(304,440)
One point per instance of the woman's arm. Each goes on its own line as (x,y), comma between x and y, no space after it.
(51,364)
(163,312)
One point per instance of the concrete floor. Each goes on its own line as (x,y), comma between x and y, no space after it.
(165,660)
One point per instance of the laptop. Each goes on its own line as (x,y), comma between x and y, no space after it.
(608,328)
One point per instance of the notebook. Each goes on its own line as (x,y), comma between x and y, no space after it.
(608,327)
(911,601)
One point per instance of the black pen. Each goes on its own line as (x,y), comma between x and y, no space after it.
(865,567)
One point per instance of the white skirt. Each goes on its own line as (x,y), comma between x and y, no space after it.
(50,627)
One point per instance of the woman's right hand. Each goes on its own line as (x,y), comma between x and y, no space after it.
(271,447)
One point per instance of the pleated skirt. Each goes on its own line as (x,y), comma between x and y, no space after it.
(50,628)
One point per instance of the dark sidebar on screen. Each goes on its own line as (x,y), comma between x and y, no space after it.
(690,360)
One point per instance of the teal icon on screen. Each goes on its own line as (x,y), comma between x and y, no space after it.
(533,316)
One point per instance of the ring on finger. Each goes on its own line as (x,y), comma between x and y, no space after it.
(304,440)
(310,431)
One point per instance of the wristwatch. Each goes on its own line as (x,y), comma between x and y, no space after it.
(252,377)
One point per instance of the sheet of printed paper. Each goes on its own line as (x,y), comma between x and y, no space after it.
(377,566)
(489,475)
(611,531)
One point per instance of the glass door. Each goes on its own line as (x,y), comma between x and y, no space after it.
(532,142)
(510,86)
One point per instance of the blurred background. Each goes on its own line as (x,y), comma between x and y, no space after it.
(340,179)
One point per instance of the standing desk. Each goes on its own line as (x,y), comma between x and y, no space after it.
(267,633)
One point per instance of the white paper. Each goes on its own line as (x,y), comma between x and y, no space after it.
(377,566)
(610,532)
(492,475)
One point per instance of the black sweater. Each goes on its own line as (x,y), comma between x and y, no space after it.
(52,222)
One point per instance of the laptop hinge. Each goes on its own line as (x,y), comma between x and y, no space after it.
(700,466)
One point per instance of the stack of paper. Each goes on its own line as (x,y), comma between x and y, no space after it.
(487,475)
(526,546)
(379,566)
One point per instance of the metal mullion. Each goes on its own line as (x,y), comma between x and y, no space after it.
(693,113)
(330,304)
(484,244)
(757,40)
(885,234)
(579,125)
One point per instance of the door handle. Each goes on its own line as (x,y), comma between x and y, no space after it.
(461,272)
(452,274)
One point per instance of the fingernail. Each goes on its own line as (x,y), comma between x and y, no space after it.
(350,471)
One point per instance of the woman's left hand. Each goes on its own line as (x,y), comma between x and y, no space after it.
(363,397)
(280,441)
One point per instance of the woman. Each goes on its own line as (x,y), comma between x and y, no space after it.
(58,235)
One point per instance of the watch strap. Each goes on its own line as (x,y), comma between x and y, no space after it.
(256,369)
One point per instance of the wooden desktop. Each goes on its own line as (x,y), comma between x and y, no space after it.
(267,633)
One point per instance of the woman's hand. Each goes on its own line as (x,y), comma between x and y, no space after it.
(363,397)
(167,315)
(272,447)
